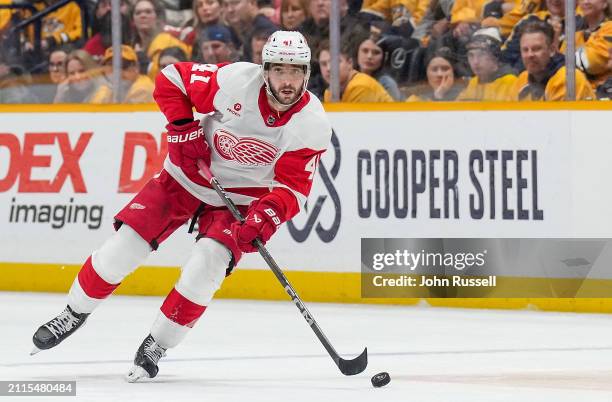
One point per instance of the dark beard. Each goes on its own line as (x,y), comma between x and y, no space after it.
(277,96)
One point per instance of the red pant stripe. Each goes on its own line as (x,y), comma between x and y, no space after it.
(180,310)
(92,284)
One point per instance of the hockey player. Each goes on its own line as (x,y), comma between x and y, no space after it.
(262,136)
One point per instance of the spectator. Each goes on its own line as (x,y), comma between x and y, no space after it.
(83,78)
(395,12)
(354,86)
(450,28)
(435,23)
(244,18)
(102,28)
(371,60)
(465,20)
(57,66)
(316,27)
(258,40)
(293,13)
(591,45)
(465,12)
(553,14)
(268,10)
(544,77)
(604,91)
(134,87)
(205,13)
(102,11)
(440,65)
(215,45)
(170,56)
(493,81)
(57,74)
(594,14)
(510,18)
(63,25)
(149,39)
(457,36)
(178,12)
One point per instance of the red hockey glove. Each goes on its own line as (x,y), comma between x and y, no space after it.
(187,144)
(262,221)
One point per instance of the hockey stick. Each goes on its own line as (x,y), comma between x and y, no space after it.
(347,367)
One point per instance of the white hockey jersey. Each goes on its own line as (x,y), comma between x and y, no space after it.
(254,149)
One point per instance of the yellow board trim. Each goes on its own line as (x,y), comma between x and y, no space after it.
(329,287)
(466,106)
(79,108)
(336,107)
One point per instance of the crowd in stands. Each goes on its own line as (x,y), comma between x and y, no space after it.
(391,50)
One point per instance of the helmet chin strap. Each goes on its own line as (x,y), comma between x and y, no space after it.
(278,105)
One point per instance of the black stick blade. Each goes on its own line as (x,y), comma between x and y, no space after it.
(354,366)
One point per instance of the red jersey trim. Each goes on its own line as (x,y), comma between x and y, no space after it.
(273,118)
(290,169)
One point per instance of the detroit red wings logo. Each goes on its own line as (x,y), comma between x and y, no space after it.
(245,151)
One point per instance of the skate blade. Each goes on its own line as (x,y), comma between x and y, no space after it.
(136,373)
(34,351)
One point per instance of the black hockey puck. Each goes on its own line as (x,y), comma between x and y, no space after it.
(381,379)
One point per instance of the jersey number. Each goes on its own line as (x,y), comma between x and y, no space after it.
(311,166)
(202,68)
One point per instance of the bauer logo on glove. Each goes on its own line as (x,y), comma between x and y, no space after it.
(186,137)
(261,222)
(186,145)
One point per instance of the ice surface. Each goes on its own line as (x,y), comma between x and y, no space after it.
(264,351)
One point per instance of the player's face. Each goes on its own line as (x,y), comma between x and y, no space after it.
(482,63)
(536,52)
(286,82)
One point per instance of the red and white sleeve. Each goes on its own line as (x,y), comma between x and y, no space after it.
(295,171)
(182,86)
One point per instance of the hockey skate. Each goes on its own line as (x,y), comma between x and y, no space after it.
(146,359)
(55,331)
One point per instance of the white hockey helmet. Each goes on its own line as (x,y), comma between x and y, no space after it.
(286,47)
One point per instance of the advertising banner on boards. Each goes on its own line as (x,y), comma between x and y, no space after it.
(498,174)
